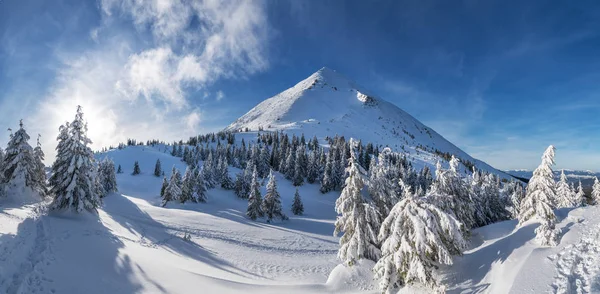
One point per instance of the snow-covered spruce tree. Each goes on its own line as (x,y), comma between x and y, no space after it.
(297,206)
(107,177)
(40,168)
(136,168)
(226,181)
(539,201)
(416,237)
(119,170)
(326,181)
(312,173)
(596,192)
(157,169)
(187,186)
(254,199)
(208,171)
(357,219)
(564,197)
(271,204)
(19,166)
(173,190)
(200,188)
(453,194)
(516,196)
(290,167)
(579,199)
(298,178)
(163,187)
(382,188)
(73,185)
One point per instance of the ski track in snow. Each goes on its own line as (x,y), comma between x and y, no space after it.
(578,265)
(28,275)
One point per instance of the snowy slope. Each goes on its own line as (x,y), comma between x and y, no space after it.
(326,104)
(135,246)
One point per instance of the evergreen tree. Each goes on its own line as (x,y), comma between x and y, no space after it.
(313,168)
(40,168)
(564,197)
(120,171)
(157,169)
(290,167)
(163,187)
(357,219)
(416,236)
(200,189)
(271,204)
(596,192)
(20,168)
(297,206)
(107,177)
(136,168)
(173,190)
(516,197)
(579,199)
(453,195)
(327,181)
(254,200)
(74,173)
(382,188)
(208,170)
(188,185)
(539,200)
(298,178)
(226,181)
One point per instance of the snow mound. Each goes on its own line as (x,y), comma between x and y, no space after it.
(352,278)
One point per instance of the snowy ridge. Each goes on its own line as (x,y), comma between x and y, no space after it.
(328,104)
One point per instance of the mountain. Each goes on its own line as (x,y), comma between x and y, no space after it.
(585,176)
(327,103)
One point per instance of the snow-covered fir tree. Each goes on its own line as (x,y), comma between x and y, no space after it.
(119,170)
(20,168)
(297,206)
(452,193)
(136,168)
(187,187)
(157,168)
(539,201)
(596,192)
(74,175)
(226,181)
(40,168)
(327,181)
(382,188)
(416,237)
(107,177)
(173,189)
(579,198)
(312,173)
(163,187)
(516,196)
(200,188)
(254,210)
(271,204)
(208,170)
(357,219)
(564,197)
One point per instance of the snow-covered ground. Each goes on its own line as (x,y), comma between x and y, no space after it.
(135,246)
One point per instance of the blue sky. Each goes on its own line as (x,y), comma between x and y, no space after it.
(501,80)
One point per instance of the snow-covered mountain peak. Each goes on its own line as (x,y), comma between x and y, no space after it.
(328,104)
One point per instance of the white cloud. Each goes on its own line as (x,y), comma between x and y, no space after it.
(214,39)
(132,86)
(220,95)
